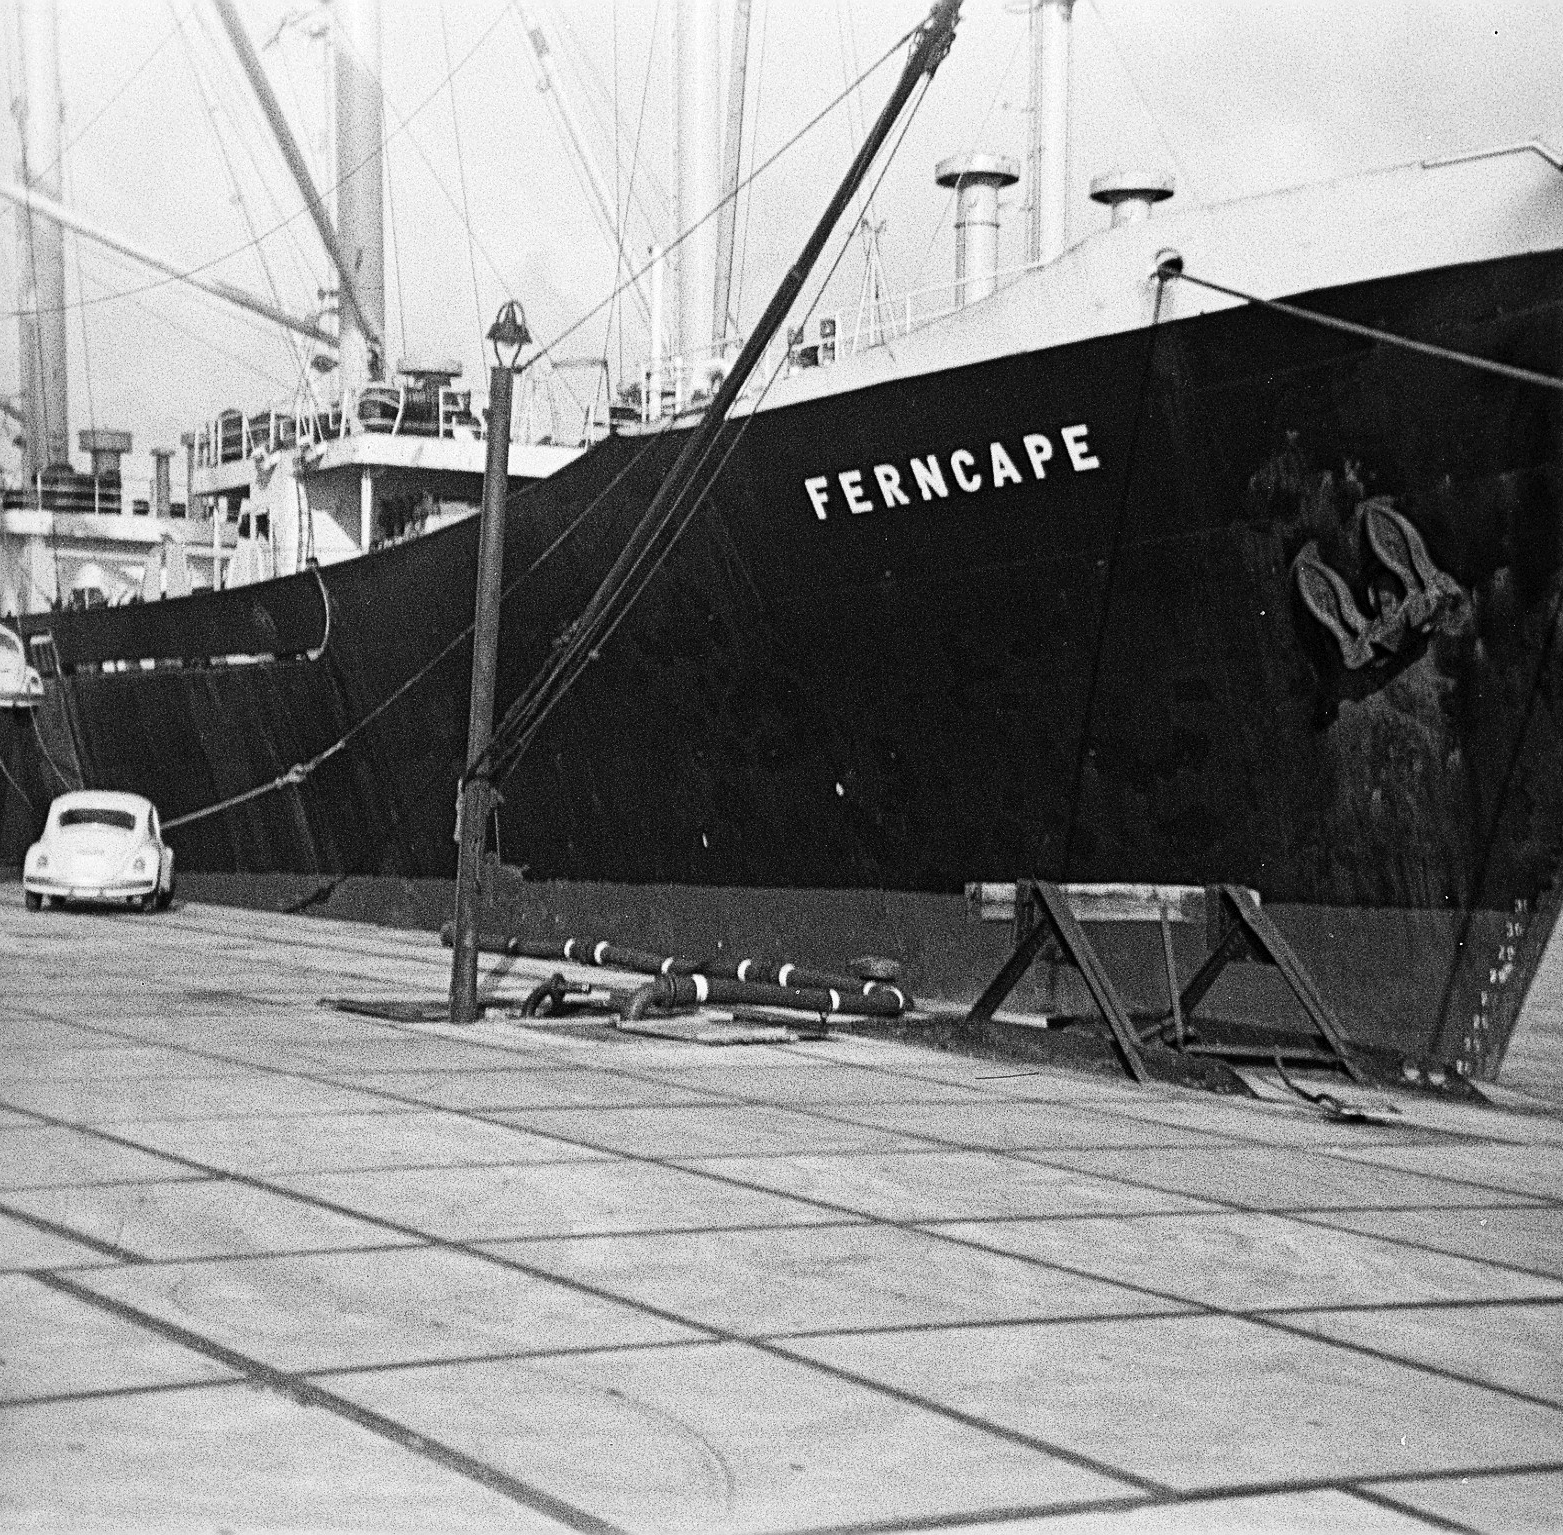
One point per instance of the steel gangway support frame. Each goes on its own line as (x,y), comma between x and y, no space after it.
(1047,921)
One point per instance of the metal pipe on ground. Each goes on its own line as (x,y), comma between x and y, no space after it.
(874,1000)
(612,956)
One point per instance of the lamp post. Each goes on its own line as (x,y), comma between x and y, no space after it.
(508,335)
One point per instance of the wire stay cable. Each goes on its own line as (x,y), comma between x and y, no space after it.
(294,217)
(1171,271)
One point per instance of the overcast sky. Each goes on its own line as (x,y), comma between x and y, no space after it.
(1233,96)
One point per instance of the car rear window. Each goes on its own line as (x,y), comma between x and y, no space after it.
(93,816)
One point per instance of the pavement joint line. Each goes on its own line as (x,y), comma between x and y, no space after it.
(738,1228)
(55,1228)
(1464,1473)
(1524,1199)
(969,1324)
(1297,1213)
(182,1260)
(203,1172)
(240,1118)
(660,1313)
(310,1393)
(533,1048)
(105,1183)
(1218,1139)
(1395,1506)
(994,1151)
(1319,1221)
(861,1152)
(109,1393)
(646,1159)
(512,1356)
(1227,1206)
(839,1118)
(1476,1303)
(1187,1307)
(968,1518)
(1214,1493)
(1284,1324)
(1496,1188)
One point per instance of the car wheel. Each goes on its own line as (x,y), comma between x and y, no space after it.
(165,898)
(34,901)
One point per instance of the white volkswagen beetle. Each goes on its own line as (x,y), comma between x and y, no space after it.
(98,845)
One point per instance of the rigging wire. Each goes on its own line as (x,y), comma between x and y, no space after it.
(396,249)
(300,771)
(124,86)
(239,250)
(458,208)
(581,58)
(972,142)
(238,91)
(54,767)
(461,172)
(38,451)
(753,138)
(201,338)
(635,163)
(295,350)
(26,798)
(239,98)
(86,350)
(1139,95)
(819,117)
(1168,273)
(525,717)
(1109,581)
(618,194)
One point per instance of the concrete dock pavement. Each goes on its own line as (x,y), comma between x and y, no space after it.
(271,1265)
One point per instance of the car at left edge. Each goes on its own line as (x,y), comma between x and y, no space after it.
(100,845)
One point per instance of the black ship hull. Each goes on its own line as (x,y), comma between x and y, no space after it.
(1256,602)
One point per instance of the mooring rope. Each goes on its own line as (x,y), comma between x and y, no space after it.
(1170,271)
(296,774)
(26,798)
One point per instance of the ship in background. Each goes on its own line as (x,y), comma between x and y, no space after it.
(363,450)
(1086,571)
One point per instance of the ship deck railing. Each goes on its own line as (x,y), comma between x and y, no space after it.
(396,409)
(405,408)
(685,381)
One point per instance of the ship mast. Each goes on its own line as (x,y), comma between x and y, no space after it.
(1047,159)
(697,145)
(360,214)
(41,242)
(552,85)
(364,271)
(723,321)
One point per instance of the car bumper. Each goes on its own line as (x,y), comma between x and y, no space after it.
(115,890)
